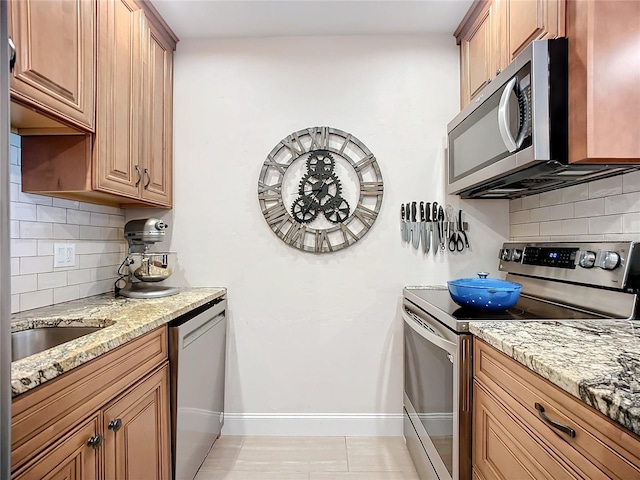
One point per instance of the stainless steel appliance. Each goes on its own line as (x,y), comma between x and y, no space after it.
(512,139)
(197,347)
(560,281)
(5,269)
(145,268)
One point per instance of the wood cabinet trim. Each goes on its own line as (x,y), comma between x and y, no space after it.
(71,397)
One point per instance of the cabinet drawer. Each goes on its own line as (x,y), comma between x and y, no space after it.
(607,447)
(73,396)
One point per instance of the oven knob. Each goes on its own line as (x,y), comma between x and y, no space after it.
(587,259)
(505,254)
(517,255)
(608,260)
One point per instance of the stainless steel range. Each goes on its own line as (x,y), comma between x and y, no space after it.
(560,281)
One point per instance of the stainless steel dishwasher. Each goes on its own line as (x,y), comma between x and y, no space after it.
(197,347)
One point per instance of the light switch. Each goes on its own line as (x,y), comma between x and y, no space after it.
(64,254)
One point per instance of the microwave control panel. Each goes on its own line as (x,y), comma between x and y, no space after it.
(550,257)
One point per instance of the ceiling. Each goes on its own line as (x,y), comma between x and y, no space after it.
(192,19)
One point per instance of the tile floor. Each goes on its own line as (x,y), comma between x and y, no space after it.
(308,458)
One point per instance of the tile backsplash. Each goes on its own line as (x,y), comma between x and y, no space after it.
(602,210)
(37,223)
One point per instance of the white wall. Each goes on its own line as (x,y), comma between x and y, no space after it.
(38,222)
(315,341)
(602,210)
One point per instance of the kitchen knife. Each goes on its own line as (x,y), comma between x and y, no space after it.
(426,230)
(414,226)
(403,224)
(441,227)
(434,227)
(421,225)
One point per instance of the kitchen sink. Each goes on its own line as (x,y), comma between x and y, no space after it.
(36,340)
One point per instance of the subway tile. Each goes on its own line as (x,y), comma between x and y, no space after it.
(523,216)
(606,224)
(15,174)
(553,197)
(63,231)
(605,187)
(14,155)
(551,228)
(15,266)
(24,283)
(625,203)
(14,229)
(578,238)
(23,247)
(14,191)
(15,140)
(525,230)
(104,273)
(560,212)
(34,198)
(532,201)
(38,299)
(45,247)
(575,193)
(536,238)
(95,288)
(75,277)
(52,214)
(90,233)
(589,208)
(22,211)
(631,182)
(15,303)
(100,219)
(631,223)
(575,226)
(620,237)
(515,204)
(64,203)
(78,217)
(36,265)
(89,261)
(52,280)
(36,230)
(116,221)
(90,207)
(66,294)
(540,214)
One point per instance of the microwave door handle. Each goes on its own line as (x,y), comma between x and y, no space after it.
(503,117)
(427,335)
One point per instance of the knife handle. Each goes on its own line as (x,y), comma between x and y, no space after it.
(402,212)
(413,211)
(422,211)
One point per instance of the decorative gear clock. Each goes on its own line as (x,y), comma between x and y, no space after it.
(320,189)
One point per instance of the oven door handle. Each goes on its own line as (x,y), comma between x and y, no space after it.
(428,335)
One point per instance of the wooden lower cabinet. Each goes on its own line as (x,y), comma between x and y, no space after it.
(136,430)
(69,459)
(511,440)
(108,419)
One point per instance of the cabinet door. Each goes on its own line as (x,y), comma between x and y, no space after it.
(70,459)
(117,143)
(55,58)
(477,64)
(530,20)
(158,128)
(136,430)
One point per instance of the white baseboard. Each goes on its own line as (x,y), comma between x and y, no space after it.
(313,424)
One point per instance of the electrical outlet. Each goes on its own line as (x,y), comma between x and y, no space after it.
(64,254)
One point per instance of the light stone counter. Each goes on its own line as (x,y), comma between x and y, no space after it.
(595,361)
(123,318)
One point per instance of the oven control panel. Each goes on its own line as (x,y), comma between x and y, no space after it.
(550,257)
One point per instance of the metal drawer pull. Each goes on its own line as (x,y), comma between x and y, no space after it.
(563,428)
(139,172)
(12,54)
(146,172)
(115,425)
(95,442)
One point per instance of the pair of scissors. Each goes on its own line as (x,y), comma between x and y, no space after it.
(455,240)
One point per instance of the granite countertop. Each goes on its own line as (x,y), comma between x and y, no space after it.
(123,320)
(597,361)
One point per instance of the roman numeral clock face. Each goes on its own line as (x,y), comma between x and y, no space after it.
(320,189)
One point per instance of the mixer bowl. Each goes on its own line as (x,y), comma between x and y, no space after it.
(152,267)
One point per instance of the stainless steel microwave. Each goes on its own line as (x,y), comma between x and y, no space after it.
(512,139)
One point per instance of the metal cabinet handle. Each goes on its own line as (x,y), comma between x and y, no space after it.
(115,425)
(139,175)
(563,428)
(146,172)
(498,71)
(12,54)
(95,442)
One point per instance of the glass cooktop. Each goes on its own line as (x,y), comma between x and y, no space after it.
(438,303)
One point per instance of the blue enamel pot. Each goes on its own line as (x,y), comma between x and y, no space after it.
(484,293)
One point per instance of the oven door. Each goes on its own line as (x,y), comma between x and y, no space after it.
(437,392)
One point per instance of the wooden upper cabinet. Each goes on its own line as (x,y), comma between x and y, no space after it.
(604,80)
(528,20)
(476,37)
(55,61)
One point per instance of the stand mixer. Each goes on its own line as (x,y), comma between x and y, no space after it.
(146,268)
